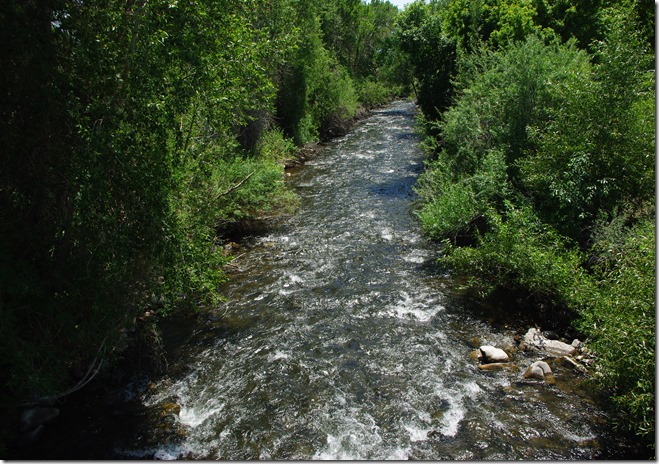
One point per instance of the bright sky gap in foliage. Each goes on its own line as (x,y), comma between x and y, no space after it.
(401,4)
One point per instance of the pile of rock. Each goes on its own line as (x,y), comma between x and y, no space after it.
(547,344)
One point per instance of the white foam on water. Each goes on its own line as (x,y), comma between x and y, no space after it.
(163,453)
(417,433)
(415,256)
(355,441)
(277,355)
(387,234)
(167,454)
(295,278)
(414,307)
(457,409)
(368,155)
(290,280)
(195,416)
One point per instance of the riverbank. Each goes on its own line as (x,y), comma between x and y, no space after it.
(337,326)
(138,351)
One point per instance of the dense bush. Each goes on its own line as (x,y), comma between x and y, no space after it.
(372,93)
(524,255)
(544,162)
(619,314)
(132,133)
(482,137)
(596,152)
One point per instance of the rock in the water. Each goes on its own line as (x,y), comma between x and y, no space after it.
(572,364)
(537,370)
(34,417)
(491,354)
(171,408)
(534,372)
(559,348)
(533,339)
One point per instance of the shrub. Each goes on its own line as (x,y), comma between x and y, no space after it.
(524,255)
(372,93)
(501,96)
(451,207)
(449,215)
(619,315)
(596,152)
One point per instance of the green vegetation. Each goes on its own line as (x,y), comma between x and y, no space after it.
(539,127)
(133,133)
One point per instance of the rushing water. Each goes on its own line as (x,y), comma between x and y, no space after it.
(339,340)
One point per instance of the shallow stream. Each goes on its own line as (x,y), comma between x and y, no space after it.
(340,340)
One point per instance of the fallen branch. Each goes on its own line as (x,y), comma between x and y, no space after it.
(84,381)
(234,188)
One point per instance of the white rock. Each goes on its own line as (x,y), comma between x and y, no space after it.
(535,340)
(491,354)
(559,348)
(538,370)
(534,372)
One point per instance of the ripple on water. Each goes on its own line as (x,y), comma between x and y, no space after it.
(348,348)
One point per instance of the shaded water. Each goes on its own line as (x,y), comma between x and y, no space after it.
(340,341)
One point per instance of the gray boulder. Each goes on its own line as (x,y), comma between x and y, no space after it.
(558,348)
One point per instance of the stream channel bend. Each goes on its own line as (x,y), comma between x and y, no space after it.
(339,340)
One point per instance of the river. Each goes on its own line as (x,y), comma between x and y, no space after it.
(340,340)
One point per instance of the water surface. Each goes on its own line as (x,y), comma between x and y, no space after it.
(339,340)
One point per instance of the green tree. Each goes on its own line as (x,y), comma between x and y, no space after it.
(432,54)
(596,154)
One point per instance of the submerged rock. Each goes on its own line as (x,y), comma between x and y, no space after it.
(171,408)
(490,354)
